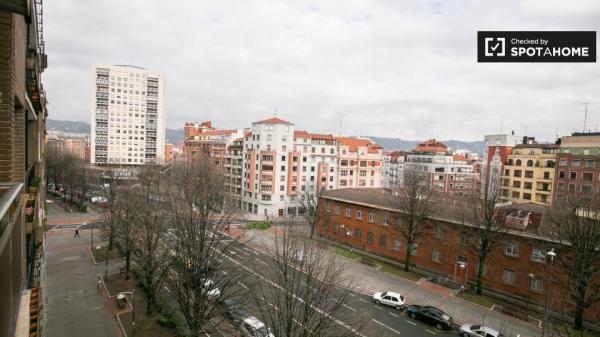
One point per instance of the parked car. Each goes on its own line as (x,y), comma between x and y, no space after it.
(389,298)
(212,289)
(431,315)
(234,310)
(252,327)
(98,200)
(472,330)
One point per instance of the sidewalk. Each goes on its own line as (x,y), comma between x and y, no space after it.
(73,306)
(369,280)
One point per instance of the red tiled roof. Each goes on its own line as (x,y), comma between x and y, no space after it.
(321,136)
(432,146)
(301,134)
(355,143)
(273,120)
(247,133)
(459,157)
(215,132)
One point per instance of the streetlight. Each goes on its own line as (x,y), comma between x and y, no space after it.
(550,254)
(132,293)
(531,277)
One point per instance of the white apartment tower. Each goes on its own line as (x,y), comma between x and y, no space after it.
(128,118)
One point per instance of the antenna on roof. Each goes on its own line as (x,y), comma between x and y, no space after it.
(585,115)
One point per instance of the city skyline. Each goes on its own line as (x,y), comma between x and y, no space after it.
(406,66)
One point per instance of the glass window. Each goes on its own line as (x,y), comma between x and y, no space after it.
(370,236)
(512,248)
(357,233)
(397,244)
(348,212)
(371,217)
(382,240)
(359,214)
(436,256)
(509,276)
(538,255)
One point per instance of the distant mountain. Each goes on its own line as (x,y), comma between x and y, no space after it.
(391,144)
(171,135)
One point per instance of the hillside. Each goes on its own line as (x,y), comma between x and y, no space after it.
(405,145)
(171,135)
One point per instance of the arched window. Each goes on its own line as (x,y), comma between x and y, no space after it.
(518,162)
(530,162)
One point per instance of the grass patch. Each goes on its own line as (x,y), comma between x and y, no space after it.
(100,254)
(345,253)
(146,325)
(388,268)
(477,299)
(257,225)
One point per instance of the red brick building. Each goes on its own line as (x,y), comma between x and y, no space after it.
(364,219)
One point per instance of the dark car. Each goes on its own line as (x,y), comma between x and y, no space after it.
(234,310)
(431,315)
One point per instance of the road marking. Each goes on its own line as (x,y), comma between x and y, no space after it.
(413,323)
(378,307)
(349,307)
(243,285)
(224,272)
(391,313)
(351,294)
(383,325)
(263,262)
(363,300)
(431,332)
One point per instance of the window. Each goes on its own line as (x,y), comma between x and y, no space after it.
(464,239)
(382,240)
(571,187)
(509,276)
(586,188)
(527,196)
(590,163)
(528,174)
(516,184)
(573,175)
(576,163)
(348,212)
(588,176)
(371,217)
(337,210)
(357,233)
(536,284)
(397,244)
(438,231)
(517,173)
(359,214)
(384,220)
(538,255)
(369,236)
(436,256)
(562,162)
(561,174)
(336,228)
(512,248)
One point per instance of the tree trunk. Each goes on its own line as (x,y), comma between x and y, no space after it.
(479,286)
(312,229)
(127,264)
(578,324)
(407,260)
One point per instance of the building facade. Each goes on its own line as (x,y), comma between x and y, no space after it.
(515,270)
(577,176)
(360,163)
(393,169)
(127,115)
(496,151)
(202,139)
(528,174)
(22,148)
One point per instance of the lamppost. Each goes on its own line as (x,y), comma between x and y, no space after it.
(132,293)
(531,277)
(550,254)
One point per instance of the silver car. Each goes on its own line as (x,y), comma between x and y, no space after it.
(472,330)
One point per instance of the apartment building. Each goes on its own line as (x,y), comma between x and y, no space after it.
(393,169)
(496,151)
(75,146)
(202,139)
(127,115)
(577,175)
(529,173)
(446,172)
(319,154)
(360,163)
(22,148)
(516,268)
(234,168)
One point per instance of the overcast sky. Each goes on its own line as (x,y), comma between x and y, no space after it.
(403,69)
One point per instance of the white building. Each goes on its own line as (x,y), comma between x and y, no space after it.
(127,115)
(393,169)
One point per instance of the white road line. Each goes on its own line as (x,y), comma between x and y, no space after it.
(378,307)
(351,294)
(263,262)
(224,272)
(243,285)
(385,326)
(349,307)
(391,313)
(363,300)
(431,332)
(413,323)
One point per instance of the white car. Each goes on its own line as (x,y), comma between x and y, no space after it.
(389,298)
(213,291)
(472,330)
(252,327)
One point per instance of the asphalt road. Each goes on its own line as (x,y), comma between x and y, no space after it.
(358,311)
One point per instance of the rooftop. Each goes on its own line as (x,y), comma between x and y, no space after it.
(273,120)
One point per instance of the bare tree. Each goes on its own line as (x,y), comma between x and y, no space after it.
(304,291)
(150,221)
(481,213)
(125,229)
(309,208)
(577,227)
(416,205)
(200,210)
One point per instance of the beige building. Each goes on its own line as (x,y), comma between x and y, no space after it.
(529,174)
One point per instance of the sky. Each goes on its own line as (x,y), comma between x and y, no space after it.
(389,68)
